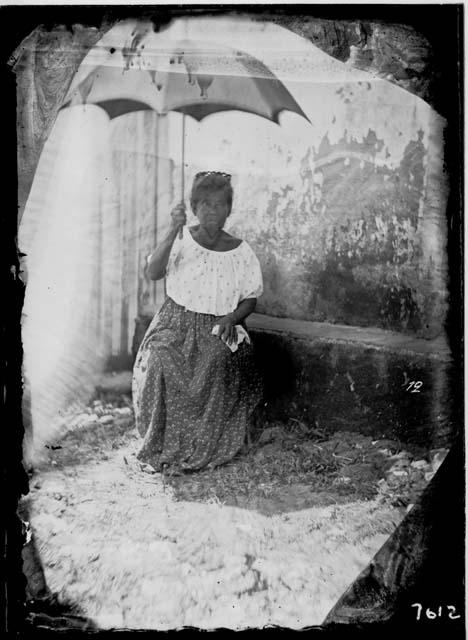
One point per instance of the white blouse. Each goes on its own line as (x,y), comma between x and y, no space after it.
(207,281)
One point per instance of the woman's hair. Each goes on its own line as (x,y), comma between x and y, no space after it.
(207,182)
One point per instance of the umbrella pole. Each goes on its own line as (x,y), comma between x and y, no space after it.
(183,167)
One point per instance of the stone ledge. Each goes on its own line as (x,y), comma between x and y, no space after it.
(390,341)
(372,387)
(352,378)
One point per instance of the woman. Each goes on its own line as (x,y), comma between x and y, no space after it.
(195,386)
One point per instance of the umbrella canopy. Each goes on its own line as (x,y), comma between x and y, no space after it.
(191,77)
(187,76)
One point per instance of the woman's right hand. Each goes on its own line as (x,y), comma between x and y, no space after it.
(178,216)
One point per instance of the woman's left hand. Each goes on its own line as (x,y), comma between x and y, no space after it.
(227,329)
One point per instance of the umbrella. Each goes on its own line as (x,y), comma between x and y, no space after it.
(187,76)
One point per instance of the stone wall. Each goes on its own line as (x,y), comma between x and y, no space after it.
(347,212)
(335,379)
(349,222)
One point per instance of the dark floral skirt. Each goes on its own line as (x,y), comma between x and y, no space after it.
(194,399)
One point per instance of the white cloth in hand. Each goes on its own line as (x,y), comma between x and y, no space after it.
(241,336)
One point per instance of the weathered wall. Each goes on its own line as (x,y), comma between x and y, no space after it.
(347,212)
(353,239)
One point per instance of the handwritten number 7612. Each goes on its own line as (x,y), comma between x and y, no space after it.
(448,610)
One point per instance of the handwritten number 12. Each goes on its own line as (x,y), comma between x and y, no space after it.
(416,384)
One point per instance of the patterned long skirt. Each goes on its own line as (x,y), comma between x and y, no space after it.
(194,399)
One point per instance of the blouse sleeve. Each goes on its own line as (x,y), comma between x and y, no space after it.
(252,285)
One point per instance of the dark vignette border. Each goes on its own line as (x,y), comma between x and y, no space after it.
(442,25)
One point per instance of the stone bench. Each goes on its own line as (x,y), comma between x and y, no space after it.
(363,379)
(340,377)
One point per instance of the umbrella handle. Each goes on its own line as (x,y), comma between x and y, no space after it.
(183,169)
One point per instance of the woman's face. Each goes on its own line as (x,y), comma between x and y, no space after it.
(212,210)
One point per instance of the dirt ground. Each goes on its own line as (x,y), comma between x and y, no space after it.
(274,538)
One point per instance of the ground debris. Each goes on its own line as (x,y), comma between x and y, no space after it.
(150,551)
(286,470)
(289,466)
